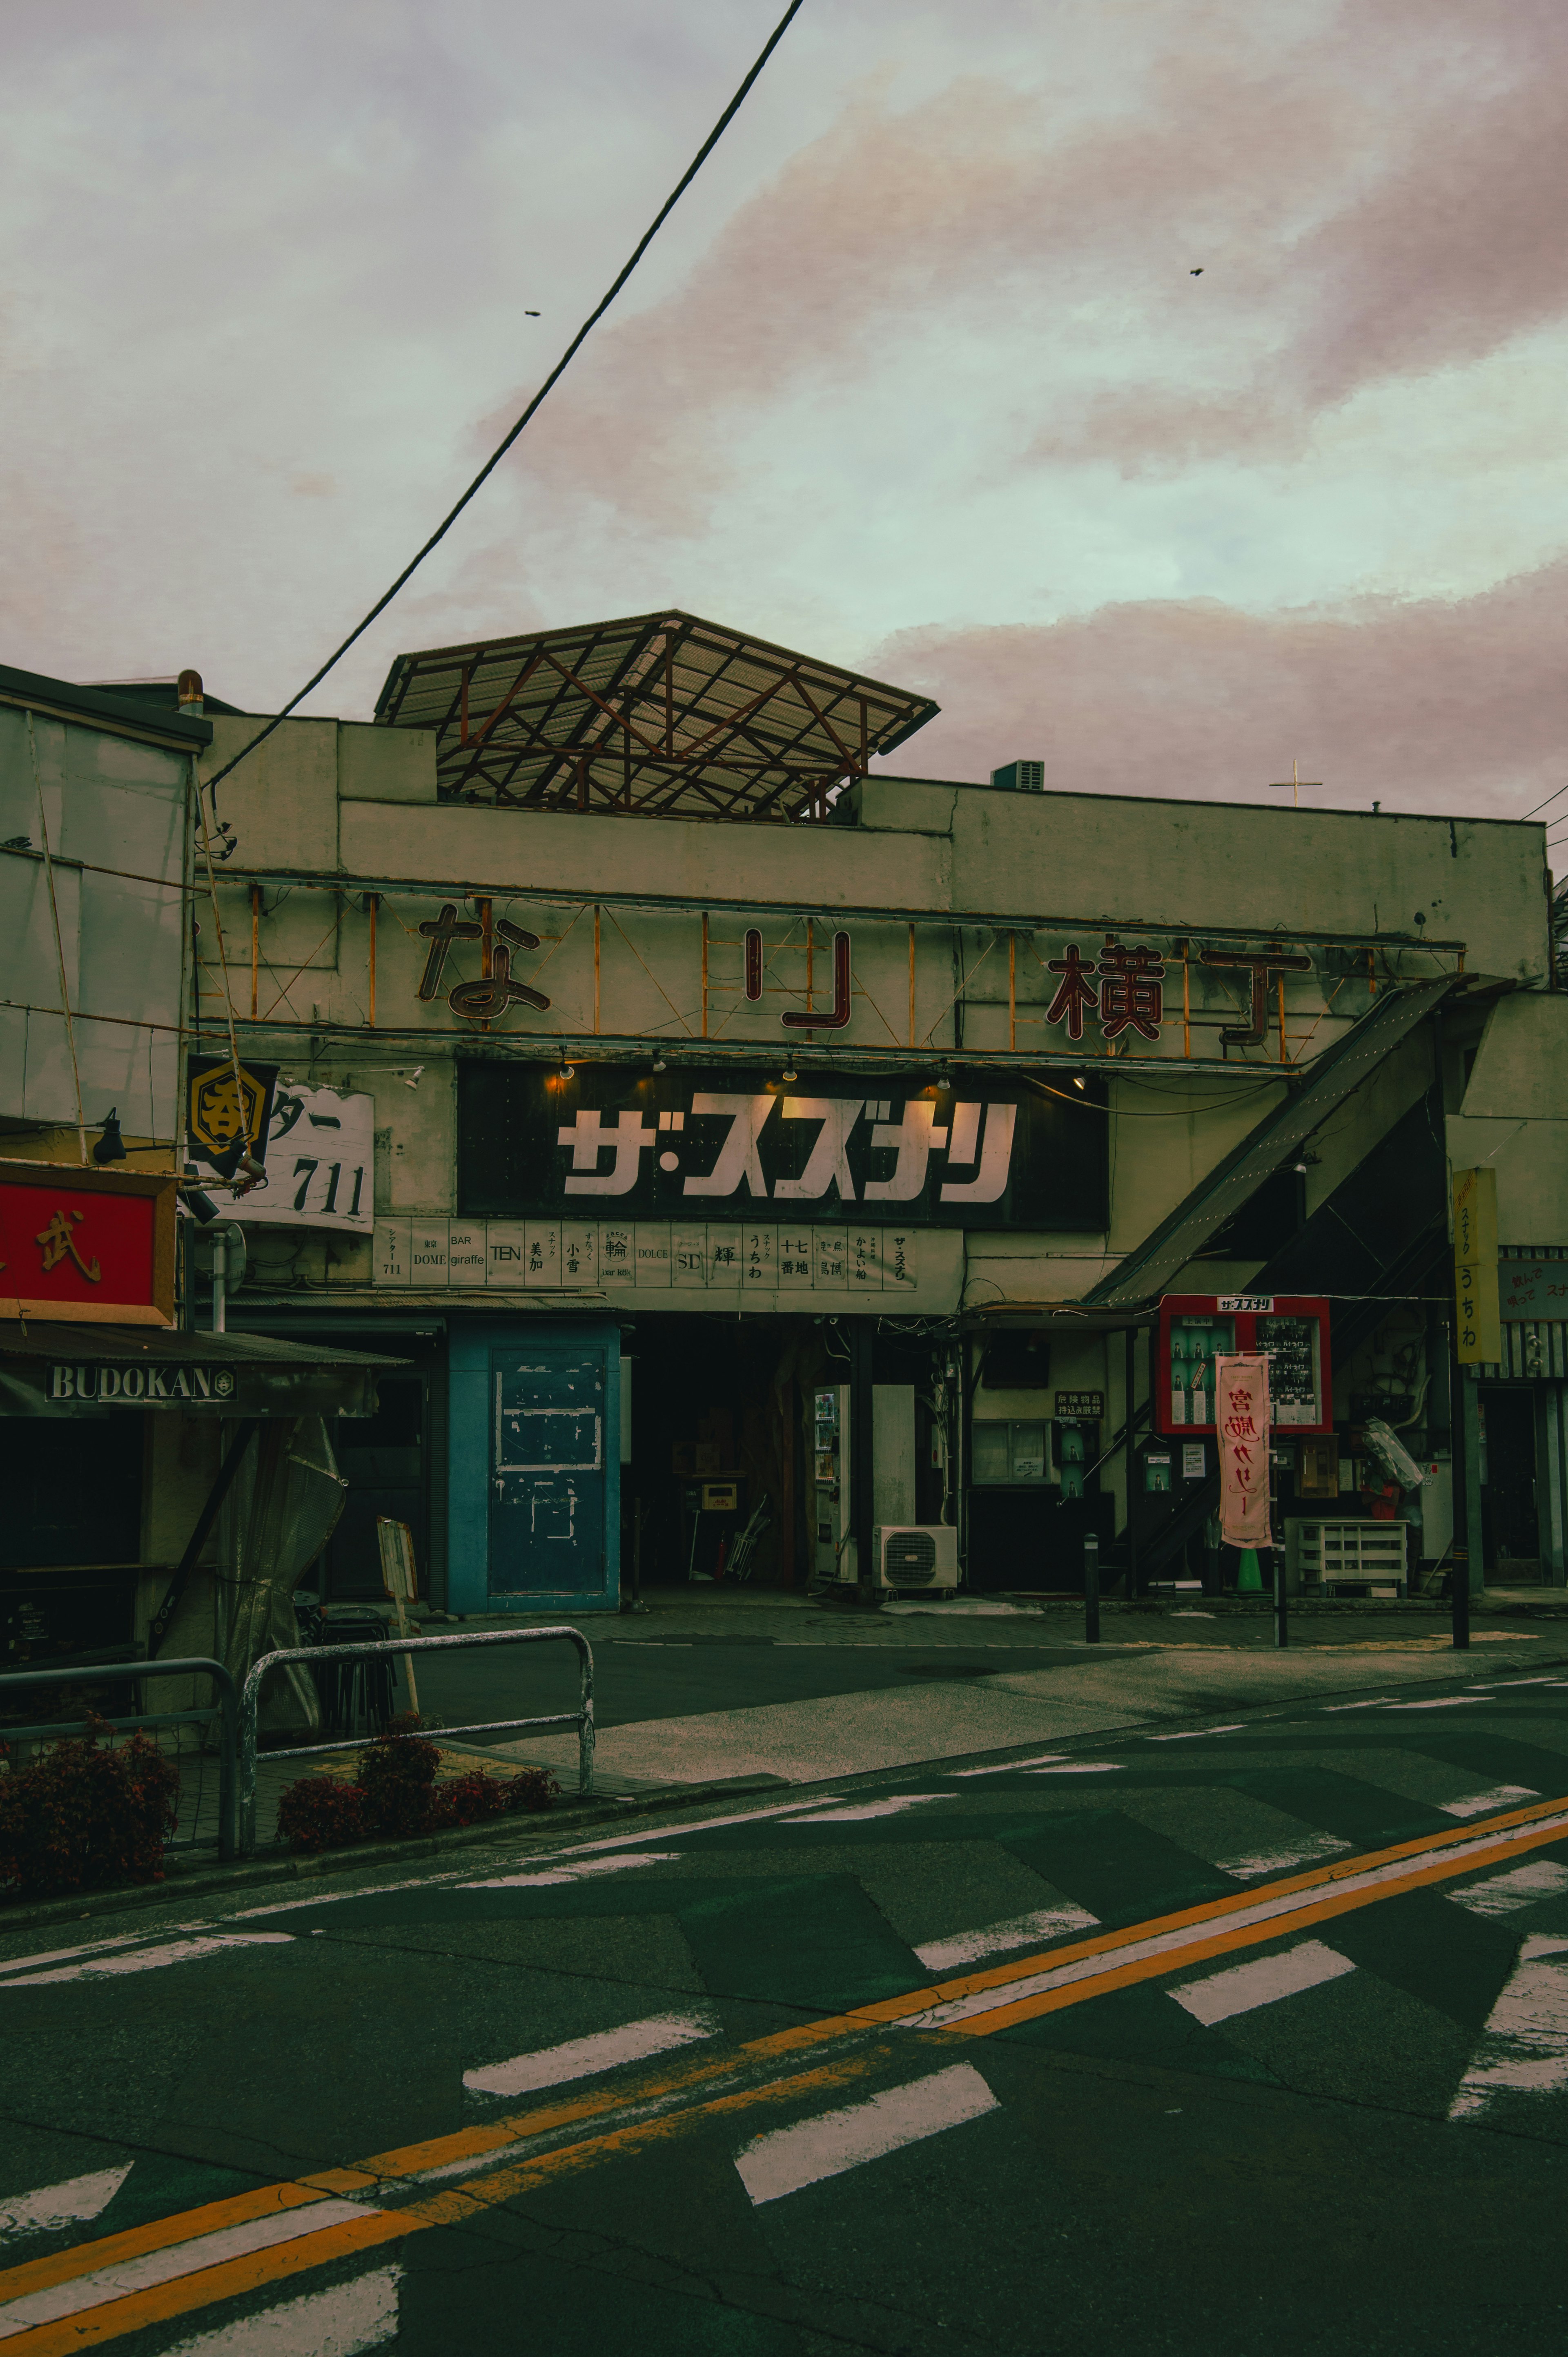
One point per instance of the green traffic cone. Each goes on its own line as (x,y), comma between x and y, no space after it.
(1249,1579)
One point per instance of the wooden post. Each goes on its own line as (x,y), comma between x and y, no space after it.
(911,985)
(596,965)
(704,973)
(1012,991)
(256,943)
(372,903)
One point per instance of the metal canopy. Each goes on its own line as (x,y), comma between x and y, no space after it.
(1334,1076)
(661,714)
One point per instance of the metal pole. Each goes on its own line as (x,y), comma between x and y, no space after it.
(862,1471)
(1131,1387)
(1091,1588)
(1281,1631)
(219,1282)
(1459,1451)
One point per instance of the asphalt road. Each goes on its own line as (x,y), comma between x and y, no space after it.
(1247,2039)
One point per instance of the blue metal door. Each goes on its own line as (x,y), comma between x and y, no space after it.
(547,1470)
(534,1468)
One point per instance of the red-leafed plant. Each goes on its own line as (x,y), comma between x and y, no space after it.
(83,1815)
(397,1794)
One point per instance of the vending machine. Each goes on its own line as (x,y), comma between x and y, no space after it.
(1292,1334)
(833,1554)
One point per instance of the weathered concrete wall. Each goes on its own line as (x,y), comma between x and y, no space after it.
(1514,1116)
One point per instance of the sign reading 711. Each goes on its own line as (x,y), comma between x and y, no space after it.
(320,1163)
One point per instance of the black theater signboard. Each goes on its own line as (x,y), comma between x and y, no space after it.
(970,1150)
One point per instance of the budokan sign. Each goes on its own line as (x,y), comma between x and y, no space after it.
(105,1384)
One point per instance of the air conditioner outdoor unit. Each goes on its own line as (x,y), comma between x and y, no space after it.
(915,1555)
(1022,776)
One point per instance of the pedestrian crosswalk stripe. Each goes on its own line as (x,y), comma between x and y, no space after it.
(1242,1988)
(1524,2051)
(1280,1861)
(586,2058)
(343,2322)
(787,2159)
(1522,1886)
(51,2207)
(1478,1804)
(992,1939)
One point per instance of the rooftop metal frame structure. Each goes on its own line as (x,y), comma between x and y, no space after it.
(655,715)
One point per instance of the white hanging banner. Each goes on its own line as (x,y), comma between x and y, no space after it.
(1241,1428)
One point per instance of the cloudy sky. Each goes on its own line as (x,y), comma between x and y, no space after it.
(918,378)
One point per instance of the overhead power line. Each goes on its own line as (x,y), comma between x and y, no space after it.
(578,341)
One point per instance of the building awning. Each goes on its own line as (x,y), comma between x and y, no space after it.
(1335,1075)
(74,1370)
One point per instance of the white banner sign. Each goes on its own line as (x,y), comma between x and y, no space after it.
(1241,1428)
(320,1163)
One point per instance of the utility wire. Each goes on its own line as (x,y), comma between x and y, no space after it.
(1550,799)
(499,453)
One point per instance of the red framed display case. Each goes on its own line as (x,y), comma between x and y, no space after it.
(1291,1331)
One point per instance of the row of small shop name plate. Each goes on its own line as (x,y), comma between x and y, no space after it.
(550,1255)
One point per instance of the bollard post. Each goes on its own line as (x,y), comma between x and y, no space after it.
(1091,1588)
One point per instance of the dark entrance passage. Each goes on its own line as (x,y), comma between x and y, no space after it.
(1511,1528)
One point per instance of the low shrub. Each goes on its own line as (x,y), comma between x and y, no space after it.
(83,1815)
(319,1813)
(396,1774)
(397,1794)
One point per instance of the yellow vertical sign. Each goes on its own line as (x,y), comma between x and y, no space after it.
(1479,1329)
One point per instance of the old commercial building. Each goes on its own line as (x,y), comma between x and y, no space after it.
(752,1150)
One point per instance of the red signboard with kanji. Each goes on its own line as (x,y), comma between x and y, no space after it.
(93,1245)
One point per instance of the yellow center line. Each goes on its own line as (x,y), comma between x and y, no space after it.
(1335,1889)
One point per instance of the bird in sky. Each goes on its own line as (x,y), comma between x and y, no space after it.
(1191,273)
(531,315)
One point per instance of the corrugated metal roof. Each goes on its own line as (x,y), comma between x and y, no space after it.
(661,715)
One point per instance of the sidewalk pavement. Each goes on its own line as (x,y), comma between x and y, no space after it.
(1168,1670)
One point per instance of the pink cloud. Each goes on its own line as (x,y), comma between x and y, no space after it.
(1385,200)
(1429,705)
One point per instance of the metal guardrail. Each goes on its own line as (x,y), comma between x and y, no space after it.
(225,1710)
(582,1719)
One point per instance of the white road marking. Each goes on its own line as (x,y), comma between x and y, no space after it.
(1377,1702)
(105,2284)
(88,1948)
(51,2207)
(1243,1987)
(1521,1886)
(1171,1943)
(1080,1768)
(341,2322)
(1192,1733)
(1009,1767)
(994,1939)
(854,1816)
(1310,1852)
(785,2159)
(792,1806)
(551,1877)
(1497,1796)
(151,1960)
(1444,1702)
(582,2058)
(1524,2047)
